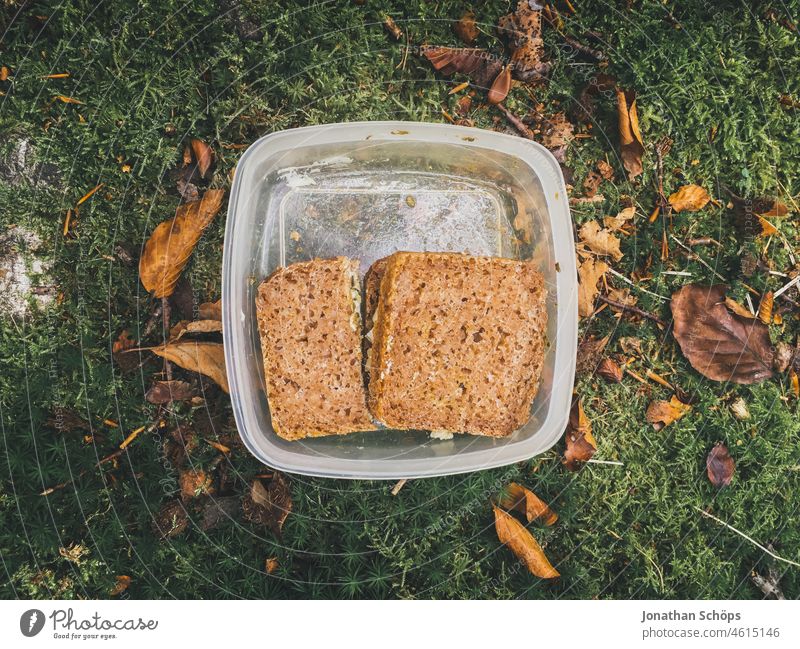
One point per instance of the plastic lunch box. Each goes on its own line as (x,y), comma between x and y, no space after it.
(366,190)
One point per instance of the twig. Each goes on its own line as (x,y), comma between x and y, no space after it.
(398,486)
(633,309)
(662,148)
(786,287)
(588,51)
(515,121)
(165,312)
(744,536)
(636,286)
(593,461)
(697,257)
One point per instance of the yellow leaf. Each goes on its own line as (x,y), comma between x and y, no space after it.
(689,198)
(528,503)
(589,273)
(123,581)
(521,542)
(205,358)
(630,137)
(663,413)
(168,249)
(599,240)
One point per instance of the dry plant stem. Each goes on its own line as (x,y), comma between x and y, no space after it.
(662,147)
(590,52)
(165,311)
(744,536)
(633,309)
(398,486)
(515,121)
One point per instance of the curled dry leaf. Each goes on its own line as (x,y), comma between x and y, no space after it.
(527,503)
(589,355)
(123,581)
(205,358)
(392,28)
(765,307)
(610,371)
(721,345)
(210,310)
(268,505)
(479,65)
(500,87)
(720,466)
(589,273)
(630,138)
(554,131)
(591,183)
(689,198)
(162,392)
(194,483)
(600,240)
(522,31)
(466,28)
(521,542)
(169,247)
(271,565)
(618,222)
(739,409)
(581,445)
(663,413)
(204,155)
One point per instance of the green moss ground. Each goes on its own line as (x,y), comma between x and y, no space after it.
(625,531)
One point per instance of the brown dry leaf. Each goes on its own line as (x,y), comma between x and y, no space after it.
(554,131)
(738,308)
(162,392)
(610,371)
(205,358)
(171,520)
(271,565)
(465,28)
(581,444)
(527,503)
(794,383)
(720,466)
(521,542)
(204,155)
(392,28)
(169,247)
(500,87)
(210,310)
(721,345)
(194,483)
(204,326)
(268,505)
(589,355)
(600,240)
(663,413)
(689,198)
(123,581)
(478,64)
(589,273)
(618,222)
(765,307)
(591,183)
(750,215)
(522,31)
(623,296)
(631,144)
(217,511)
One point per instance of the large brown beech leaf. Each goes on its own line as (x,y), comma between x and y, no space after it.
(170,246)
(481,66)
(720,344)
(521,542)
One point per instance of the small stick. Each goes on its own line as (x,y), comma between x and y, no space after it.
(744,536)
(165,312)
(593,461)
(633,309)
(703,241)
(398,486)
(636,286)
(515,121)
(786,287)
(579,47)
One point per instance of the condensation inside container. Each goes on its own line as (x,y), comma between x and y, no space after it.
(375,198)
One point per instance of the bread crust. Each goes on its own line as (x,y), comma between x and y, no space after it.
(458,343)
(309,323)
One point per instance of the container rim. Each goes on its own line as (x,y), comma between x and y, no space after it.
(532,154)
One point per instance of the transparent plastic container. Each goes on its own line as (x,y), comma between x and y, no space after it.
(366,190)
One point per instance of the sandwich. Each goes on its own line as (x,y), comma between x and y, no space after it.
(457,342)
(309,321)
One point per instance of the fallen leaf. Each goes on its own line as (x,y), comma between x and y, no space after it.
(217,511)
(271,565)
(75,553)
(521,542)
(738,308)
(168,249)
(194,483)
(554,131)
(631,144)
(739,409)
(500,87)
(591,183)
(589,355)
(162,392)
(171,520)
(751,214)
(589,273)
(465,28)
(269,505)
(581,445)
(202,357)
(689,198)
(522,31)
(720,466)
(123,581)
(663,413)
(721,345)
(765,307)
(794,383)
(210,310)
(204,155)
(610,371)
(478,64)
(623,217)
(527,503)
(600,240)
(631,345)
(784,353)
